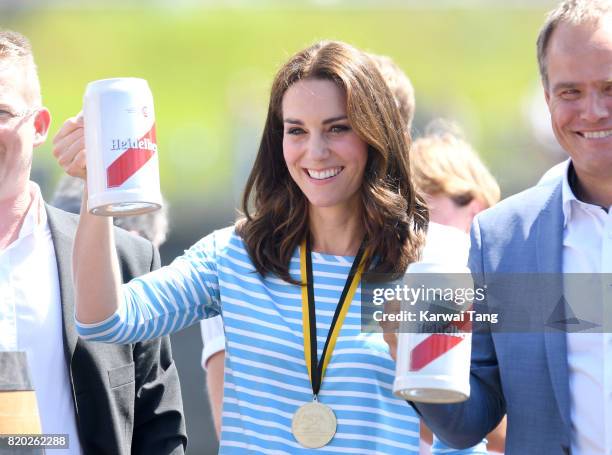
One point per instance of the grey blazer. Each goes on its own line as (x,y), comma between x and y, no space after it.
(522,374)
(127,397)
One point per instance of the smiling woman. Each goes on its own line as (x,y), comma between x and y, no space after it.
(333,159)
(329,196)
(325,157)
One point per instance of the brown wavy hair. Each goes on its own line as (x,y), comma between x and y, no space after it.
(394,217)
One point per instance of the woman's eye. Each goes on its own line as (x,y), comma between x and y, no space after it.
(295,131)
(339,128)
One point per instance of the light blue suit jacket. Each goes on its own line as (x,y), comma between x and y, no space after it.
(522,374)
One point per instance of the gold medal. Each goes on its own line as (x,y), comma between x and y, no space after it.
(313,425)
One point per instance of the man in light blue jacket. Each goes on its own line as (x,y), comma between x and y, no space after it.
(554,384)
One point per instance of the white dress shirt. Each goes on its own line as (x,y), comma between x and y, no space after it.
(587,249)
(31,320)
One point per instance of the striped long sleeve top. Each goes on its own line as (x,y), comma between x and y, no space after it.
(266,378)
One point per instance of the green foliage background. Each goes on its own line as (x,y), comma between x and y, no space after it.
(209,67)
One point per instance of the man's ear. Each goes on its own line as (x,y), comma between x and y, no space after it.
(42,121)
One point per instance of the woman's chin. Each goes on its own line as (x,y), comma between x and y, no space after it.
(329,205)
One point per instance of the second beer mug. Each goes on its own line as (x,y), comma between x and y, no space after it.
(122,162)
(433,351)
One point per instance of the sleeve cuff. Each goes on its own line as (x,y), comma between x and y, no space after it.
(213,337)
(211,347)
(98,330)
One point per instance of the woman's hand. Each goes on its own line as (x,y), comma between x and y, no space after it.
(69,147)
(93,252)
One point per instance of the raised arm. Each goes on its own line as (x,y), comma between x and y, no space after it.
(96,273)
(149,306)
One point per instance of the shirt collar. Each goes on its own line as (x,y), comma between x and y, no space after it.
(36,216)
(567,195)
(569,200)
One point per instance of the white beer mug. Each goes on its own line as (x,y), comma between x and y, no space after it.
(122,162)
(432,366)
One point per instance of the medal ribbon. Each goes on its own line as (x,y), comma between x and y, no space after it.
(316,367)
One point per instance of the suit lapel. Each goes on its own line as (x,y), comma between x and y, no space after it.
(62,233)
(549,254)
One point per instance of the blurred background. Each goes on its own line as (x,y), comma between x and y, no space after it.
(210,64)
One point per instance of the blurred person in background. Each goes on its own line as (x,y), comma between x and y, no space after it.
(553,382)
(400,86)
(330,183)
(454,181)
(153,226)
(112,399)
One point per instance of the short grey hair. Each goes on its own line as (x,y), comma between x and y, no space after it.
(574,12)
(16,49)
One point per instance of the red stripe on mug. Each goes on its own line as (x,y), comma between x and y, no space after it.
(436,345)
(130,161)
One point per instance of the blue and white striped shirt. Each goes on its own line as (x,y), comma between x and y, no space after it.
(266,379)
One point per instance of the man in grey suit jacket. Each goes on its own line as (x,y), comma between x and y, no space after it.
(551,383)
(109,399)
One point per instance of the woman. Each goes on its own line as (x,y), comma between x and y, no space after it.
(213,336)
(331,197)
